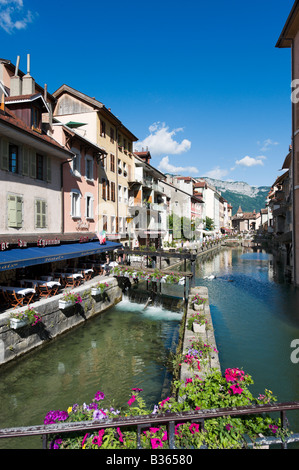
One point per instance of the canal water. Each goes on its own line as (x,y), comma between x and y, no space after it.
(124,348)
(255,314)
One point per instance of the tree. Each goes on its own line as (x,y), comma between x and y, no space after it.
(209,223)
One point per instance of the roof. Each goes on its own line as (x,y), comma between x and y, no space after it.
(8,118)
(290,28)
(96,104)
(26,99)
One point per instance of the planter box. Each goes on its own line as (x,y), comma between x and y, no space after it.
(199,328)
(63,304)
(95,291)
(198,308)
(16,323)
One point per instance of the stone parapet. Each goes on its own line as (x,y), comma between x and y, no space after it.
(54,321)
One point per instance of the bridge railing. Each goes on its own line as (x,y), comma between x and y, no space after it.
(169,419)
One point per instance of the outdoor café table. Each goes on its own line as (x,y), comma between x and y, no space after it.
(18,290)
(42,282)
(74,275)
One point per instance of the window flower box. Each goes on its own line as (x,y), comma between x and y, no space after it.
(99,288)
(199,328)
(16,323)
(68,300)
(20,319)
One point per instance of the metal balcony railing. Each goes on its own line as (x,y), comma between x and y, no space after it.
(169,419)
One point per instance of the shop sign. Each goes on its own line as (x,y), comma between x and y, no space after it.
(4,245)
(48,242)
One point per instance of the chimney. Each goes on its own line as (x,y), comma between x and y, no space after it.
(15,81)
(28,81)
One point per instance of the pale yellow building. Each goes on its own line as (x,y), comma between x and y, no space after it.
(97,123)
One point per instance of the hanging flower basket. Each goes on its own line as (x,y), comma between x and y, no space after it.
(99,288)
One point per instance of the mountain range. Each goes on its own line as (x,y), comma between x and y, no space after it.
(238,193)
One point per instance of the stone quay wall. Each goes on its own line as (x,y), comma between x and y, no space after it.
(208,337)
(16,343)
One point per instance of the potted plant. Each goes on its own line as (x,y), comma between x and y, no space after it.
(99,288)
(198,302)
(68,299)
(28,317)
(197,322)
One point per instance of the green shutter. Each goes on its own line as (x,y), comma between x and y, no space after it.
(43,212)
(49,169)
(40,213)
(19,211)
(32,160)
(11,211)
(4,154)
(14,209)
(25,161)
(37,213)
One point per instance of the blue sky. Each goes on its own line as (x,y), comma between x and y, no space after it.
(198,82)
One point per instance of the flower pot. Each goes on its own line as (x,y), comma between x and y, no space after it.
(198,307)
(63,304)
(197,328)
(16,323)
(96,292)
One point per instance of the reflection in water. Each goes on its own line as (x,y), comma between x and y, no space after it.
(121,349)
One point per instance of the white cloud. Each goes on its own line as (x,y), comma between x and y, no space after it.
(161,141)
(250,161)
(217,173)
(166,167)
(266,145)
(9,9)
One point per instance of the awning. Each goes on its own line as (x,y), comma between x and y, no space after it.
(22,257)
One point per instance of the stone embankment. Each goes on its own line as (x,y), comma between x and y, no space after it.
(54,321)
(207,337)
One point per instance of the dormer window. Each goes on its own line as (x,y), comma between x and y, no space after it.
(36,119)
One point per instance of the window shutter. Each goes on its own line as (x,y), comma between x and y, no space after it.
(11,211)
(32,160)
(43,214)
(49,169)
(19,211)
(4,146)
(25,161)
(37,213)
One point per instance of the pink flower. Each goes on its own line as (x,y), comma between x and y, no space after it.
(132,399)
(164,438)
(153,430)
(99,439)
(164,401)
(155,442)
(120,435)
(228,427)
(194,427)
(234,375)
(236,389)
(84,439)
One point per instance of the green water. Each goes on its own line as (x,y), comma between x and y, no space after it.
(124,348)
(256,317)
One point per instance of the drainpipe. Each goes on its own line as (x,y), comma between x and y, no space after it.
(293,173)
(116,189)
(62,192)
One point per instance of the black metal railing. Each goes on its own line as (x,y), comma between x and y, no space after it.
(169,419)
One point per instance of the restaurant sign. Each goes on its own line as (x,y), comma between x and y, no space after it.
(23,243)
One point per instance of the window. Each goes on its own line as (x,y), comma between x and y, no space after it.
(75,210)
(107,190)
(103,129)
(112,163)
(39,167)
(119,194)
(113,224)
(89,206)
(36,118)
(13,158)
(105,223)
(112,135)
(14,211)
(89,168)
(40,213)
(76,164)
(125,195)
(112,191)
(103,188)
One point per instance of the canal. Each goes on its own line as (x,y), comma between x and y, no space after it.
(255,315)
